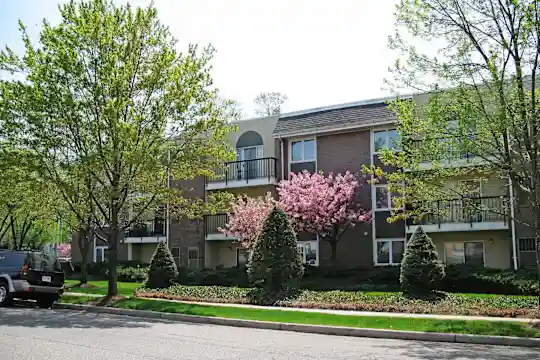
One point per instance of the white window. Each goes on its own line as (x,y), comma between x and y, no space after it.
(249,153)
(193,258)
(175,251)
(302,150)
(468,252)
(389,251)
(385,139)
(309,251)
(383,197)
(100,253)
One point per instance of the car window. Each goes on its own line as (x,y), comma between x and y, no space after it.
(11,259)
(44,262)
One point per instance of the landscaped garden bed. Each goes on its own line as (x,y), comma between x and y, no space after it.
(455,304)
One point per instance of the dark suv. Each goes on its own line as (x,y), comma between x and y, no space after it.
(30,275)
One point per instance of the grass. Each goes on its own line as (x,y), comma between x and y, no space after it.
(100,287)
(313,318)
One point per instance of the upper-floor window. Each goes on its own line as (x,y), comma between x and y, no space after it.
(385,139)
(303,150)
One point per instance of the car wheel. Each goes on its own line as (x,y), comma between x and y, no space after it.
(4,293)
(45,302)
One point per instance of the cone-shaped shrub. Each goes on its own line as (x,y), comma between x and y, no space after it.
(421,270)
(162,270)
(276,267)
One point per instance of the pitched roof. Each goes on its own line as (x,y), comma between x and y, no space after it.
(358,114)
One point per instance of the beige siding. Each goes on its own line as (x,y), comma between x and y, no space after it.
(497,245)
(264,126)
(221,253)
(490,186)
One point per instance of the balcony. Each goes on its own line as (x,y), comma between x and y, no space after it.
(211,225)
(451,151)
(147,232)
(474,214)
(244,173)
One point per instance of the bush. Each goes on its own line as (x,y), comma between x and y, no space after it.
(234,276)
(162,271)
(131,273)
(421,271)
(275,267)
(457,304)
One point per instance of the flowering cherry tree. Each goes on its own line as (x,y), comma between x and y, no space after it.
(247,217)
(64,250)
(325,205)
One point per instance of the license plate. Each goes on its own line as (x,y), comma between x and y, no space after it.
(46,278)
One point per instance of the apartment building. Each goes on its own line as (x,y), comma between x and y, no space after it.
(337,139)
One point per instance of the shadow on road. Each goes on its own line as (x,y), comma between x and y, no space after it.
(33,317)
(445,351)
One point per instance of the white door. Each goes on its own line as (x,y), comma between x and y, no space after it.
(249,169)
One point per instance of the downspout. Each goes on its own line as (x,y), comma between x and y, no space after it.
(513,224)
(281,159)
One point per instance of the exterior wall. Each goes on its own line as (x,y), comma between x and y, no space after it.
(497,245)
(264,126)
(76,251)
(221,253)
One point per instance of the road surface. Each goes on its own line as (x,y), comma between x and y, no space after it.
(37,334)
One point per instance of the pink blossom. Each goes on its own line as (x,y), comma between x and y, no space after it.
(318,204)
(247,217)
(64,250)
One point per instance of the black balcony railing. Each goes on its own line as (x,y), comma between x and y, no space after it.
(245,170)
(463,211)
(443,148)
(144,230)
(212,223)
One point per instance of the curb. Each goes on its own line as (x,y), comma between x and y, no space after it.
(312,329)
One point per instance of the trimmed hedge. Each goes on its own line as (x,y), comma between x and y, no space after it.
(457,304)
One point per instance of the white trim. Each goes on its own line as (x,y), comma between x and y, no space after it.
(329,129)
(145,240)
(463,242)
(390,254)
(374,188)
(258,152)
(233,184)
(512,221)
(103,248)
(297,139)
(94,252)
(464,226)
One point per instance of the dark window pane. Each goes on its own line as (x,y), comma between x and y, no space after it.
(398,247)
(299,167)
(383,252)
(474,253)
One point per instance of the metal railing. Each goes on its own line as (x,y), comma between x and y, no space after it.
(214,222)
(245,170)
(463,211)
(443,148)
(155,230)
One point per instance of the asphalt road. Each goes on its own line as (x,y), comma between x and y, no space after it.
(36,334)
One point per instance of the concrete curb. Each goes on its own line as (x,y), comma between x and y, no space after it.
(312,329)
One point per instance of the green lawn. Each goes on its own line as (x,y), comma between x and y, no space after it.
(298,317)
(100,287)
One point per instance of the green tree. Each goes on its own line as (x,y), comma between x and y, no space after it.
(421,270)
(276,267)
(162,271)
(106,89)
(485,55)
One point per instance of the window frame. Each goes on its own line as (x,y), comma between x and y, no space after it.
(302,244)
(303,160)
(390,206)
(384,130)
(390,254)
(464,258)
(189,249)
(103,248)
(176,258)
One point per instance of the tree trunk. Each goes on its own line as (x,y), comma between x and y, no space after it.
(84,239)
(333,246)
(13,232)
(112,258)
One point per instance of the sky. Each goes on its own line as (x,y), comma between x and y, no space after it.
(317,52)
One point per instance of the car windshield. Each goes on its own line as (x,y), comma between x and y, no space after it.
(44,262)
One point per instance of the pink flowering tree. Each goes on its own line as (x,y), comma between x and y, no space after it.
(64,250)
(324,205)
(247,218)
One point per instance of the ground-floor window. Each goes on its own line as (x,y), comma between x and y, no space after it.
(100,253)
(467,252)
(309,251)
(242,257)
(193,258)
(389,251)
(527,252)
(175,251)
